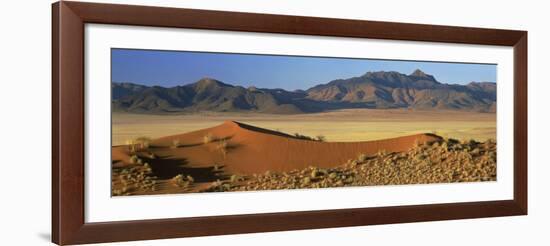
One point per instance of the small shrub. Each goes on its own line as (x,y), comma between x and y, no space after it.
(304,137)
(420,157)
(453,141)
(216,184)
(190,179)
(177,180)
(175,143)
(444,146)
(381,153)
(321,138)
(223,147)
(208,138)
(349,180)
(181,181)
(131,146)
(362,158)
(134,159)
(147,168)
(470,142)
(142,142)
(234,178)
(151,155)
(315,173)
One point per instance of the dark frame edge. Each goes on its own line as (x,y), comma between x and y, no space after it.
(55,123)
(68,224)
(67,124)
(137,15)
(520,123)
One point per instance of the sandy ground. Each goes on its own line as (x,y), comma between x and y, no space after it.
(339,126)
(226,156)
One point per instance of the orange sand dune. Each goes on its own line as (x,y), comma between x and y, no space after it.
(255,150)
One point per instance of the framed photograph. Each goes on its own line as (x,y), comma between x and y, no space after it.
(174,122)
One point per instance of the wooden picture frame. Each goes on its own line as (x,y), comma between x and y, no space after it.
(68,223)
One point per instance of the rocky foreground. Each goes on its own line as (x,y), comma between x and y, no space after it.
(446,161)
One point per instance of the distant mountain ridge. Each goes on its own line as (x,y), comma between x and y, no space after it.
(417,90)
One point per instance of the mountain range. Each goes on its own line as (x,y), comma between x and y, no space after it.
(379,90)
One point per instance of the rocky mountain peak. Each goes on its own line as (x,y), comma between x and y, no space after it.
(421,75)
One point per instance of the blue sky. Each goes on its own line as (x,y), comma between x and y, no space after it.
(171,68)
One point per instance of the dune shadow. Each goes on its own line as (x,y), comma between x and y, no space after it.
(217,140)
(437,137)
(189,145)
(232,146)
(166,167)
(153,147)
(276,133)
(263,130)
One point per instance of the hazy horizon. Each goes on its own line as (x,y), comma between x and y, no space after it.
(173,68)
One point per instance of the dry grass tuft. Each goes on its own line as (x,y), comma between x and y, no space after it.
(181,181)
(138,144)
(362,158)
(208,138)
(223,147)
(134,159)
(321,138)
(132,180)
(175,144)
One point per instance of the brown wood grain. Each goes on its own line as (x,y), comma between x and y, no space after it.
(520,122)
(68,122)
(68,224)
(55,123)
(250,22)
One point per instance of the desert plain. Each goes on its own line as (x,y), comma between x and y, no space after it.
(218,151)
(346,125)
